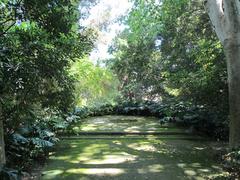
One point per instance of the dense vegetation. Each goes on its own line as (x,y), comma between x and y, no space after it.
(39,41)
(94,85)
(171,52)
(167,63)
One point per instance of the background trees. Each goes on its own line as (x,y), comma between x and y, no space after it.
(94,85)
(172,45)
(169,51)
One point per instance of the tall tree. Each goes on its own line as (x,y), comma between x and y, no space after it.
(225,17)
(2,150)
(35,38)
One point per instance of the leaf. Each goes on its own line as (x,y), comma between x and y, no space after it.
(19,138)
(42,143)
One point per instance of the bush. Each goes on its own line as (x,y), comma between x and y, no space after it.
(10,174)
(198,117)
(27,144)
(31,141)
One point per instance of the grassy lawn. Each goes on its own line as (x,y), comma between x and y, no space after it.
(146,158)
(124,124)
(162,157)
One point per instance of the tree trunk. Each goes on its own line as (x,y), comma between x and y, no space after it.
(232,52)
(225,17)
(2,146)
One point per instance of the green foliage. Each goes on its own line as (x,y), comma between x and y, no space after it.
(94,85)
(83,112)
(136,57)
(169,49)
(192,57)
(29,142)
(169,53)
(39,40)
(197,118)
(10,174)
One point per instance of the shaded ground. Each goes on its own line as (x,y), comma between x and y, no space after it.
(132,157)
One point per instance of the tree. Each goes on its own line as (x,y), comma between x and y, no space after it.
(94,85)
(135,54)
(225,17)
(35,38)
(177,54)
(2,146)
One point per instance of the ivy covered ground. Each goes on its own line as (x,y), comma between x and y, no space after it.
(135,156)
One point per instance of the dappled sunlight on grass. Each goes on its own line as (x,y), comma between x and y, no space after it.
(128,157)
(190,172)
(199,170)
(142,147)
(124,124)
(88,127)
(157,168)
(53,173)
(96,171)
(111,159)
(117,142)
(72,172)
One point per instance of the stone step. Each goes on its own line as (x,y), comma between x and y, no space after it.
(109,137)
(133,133)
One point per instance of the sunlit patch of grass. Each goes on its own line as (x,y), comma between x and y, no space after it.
(190,172)
(117,142)
(199,148)
(112,159)
(196,165)
(204,170)
(96,171)
(108,159)
(52,173)
(182,165)
(143,147)
(88,127)
(155,168)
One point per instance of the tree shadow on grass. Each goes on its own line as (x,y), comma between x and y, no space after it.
(132,159)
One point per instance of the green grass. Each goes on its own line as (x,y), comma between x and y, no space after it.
(146,158)
(108,157)
(124,124)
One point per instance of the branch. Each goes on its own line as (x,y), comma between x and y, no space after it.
(232,9)
(216,13)
(15,12)
(9,27)
(238,6)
